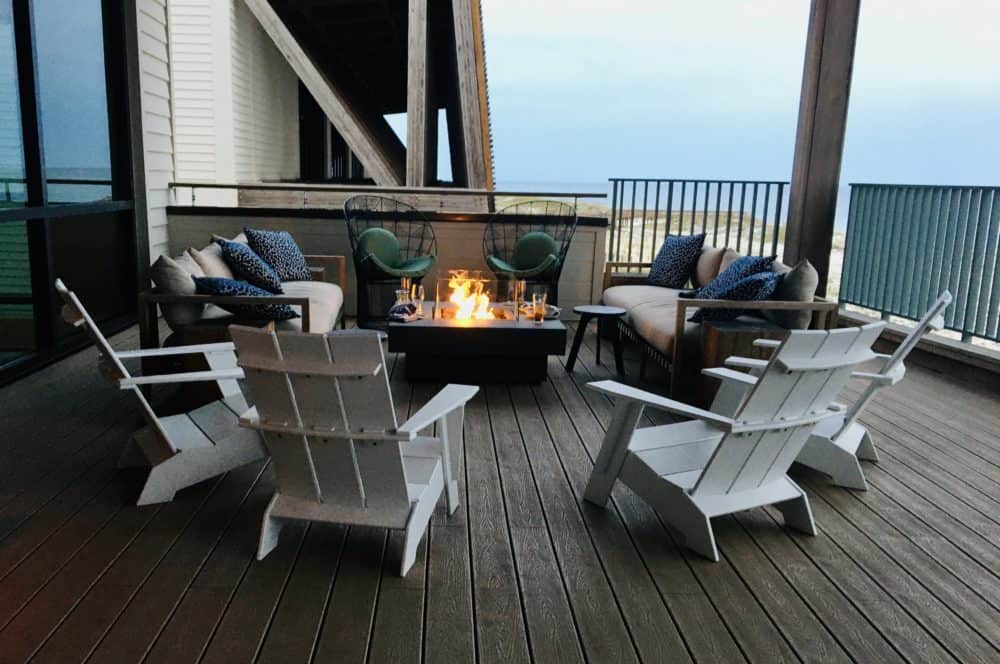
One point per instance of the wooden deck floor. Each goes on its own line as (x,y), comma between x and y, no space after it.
(909,570)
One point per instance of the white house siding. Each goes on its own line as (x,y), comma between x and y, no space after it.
(193,55)
(235,99)
(265,98)
(156,117)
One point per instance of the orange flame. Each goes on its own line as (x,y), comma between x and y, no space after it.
(471,303)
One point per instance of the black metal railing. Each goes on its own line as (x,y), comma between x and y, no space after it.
(747,215)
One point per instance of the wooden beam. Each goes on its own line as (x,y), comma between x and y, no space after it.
(471,93)
(382,162)
(421,112)
(819,142)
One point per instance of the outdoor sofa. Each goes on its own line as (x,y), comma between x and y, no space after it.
(656,317)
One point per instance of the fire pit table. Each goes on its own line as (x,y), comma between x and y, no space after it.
(470,338)
(498,351)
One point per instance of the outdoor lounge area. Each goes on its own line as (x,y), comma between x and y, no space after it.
(316,348)
(524,569)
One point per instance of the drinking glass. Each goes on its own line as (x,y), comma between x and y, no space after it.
(405,283)
(516,289)
(417,297)
(402,296)
(538,299)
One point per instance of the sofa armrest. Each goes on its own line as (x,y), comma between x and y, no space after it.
(150,299)
(621,273)
(329,266)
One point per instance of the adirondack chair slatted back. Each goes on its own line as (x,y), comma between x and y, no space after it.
(802,379)
(932,320)
(111,366)
(312,392)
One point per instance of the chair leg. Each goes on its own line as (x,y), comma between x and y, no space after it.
(416,524)
(687,521)
(270,531)
(452,444)
(797,513)
(827,457)
(614,449)
(866,448)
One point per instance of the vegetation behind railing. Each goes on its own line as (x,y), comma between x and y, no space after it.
(907,243)
(747,215)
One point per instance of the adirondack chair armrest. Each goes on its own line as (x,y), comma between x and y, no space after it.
(225,347)
(891,378)
(730,375)
(622,391)
(766,343)
(443,403)
(189,377)
(745,362)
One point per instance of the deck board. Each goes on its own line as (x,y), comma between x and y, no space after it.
(524,571)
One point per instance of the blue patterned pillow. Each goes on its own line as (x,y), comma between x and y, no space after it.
(739,269)
(278,249)
(219,286)
(249,267)
(676,260)
(756,287)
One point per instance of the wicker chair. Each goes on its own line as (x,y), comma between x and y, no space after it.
(404,247)
(504,249)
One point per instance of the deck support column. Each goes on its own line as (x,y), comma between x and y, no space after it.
(819,141)
(421,111)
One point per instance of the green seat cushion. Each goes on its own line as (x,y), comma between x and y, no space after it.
(501,266)
(413,267)
(380,244)
(533,249)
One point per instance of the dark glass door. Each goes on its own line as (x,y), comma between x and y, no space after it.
(66,204)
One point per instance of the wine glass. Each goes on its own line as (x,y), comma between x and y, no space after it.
(417,297)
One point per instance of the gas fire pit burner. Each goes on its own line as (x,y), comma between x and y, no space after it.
(470,337)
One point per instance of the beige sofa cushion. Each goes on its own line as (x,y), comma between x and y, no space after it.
(656,324)
(708,266)
(629,297)
(325,302)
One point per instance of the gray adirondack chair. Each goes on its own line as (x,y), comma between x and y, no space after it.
(836,444)
(184,449)
(325,410)
(716,464)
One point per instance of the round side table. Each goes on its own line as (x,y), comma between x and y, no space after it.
(587,313)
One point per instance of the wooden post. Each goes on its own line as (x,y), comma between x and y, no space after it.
(421,112)
(367,134)
(819,142)
(471,95)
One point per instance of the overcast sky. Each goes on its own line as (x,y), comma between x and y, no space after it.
(586,89)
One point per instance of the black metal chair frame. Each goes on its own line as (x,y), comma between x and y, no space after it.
(411,228)
(507,225)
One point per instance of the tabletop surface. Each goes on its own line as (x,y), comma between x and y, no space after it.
(598,310)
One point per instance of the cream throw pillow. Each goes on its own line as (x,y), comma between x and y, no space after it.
(176,277)
(211,262)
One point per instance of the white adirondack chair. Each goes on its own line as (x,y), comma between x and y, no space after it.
(184,449)
(716,464)
(837,443)
(325,410)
